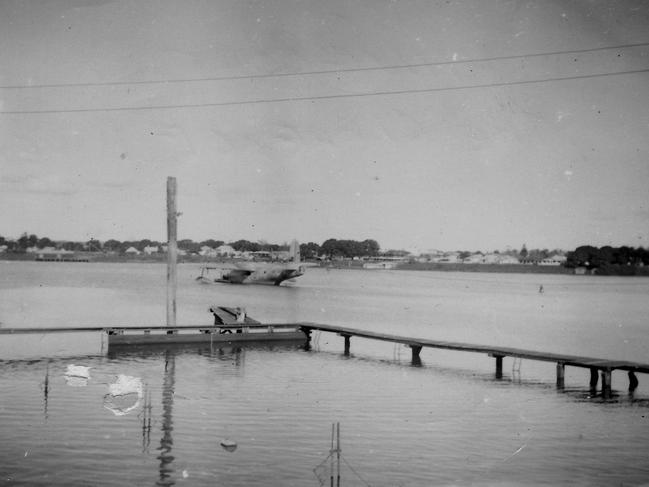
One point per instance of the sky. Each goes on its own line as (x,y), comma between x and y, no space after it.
(449,125)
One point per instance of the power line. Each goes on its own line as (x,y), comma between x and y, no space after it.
(324,97)
(320,72)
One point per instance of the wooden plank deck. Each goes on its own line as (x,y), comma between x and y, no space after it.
(495,351)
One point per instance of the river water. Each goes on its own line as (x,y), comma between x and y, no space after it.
(447,421)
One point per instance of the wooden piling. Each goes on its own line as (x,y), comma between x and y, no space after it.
(561,374)
(416,350)
(633,381)
(172,251)
(593,377)
(499,365)
(347,343)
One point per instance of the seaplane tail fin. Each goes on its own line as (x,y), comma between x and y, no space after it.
(294,251)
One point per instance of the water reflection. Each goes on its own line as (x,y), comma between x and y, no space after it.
(146,421)
(220,350)
(166,442)
(46,389)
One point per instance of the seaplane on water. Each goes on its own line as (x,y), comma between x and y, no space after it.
(273,273)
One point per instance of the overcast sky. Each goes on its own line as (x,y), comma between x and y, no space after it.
(472,125)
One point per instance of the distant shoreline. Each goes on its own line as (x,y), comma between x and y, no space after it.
(91,258)
(459,267)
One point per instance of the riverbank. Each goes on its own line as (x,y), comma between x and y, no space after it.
(90,257)
(497,268)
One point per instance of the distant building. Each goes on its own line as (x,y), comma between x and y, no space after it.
(207,251)
(474,259)
(52,254)
(556,259)
(151,249)
(448,258)
(225,250)
(507,259)
(132,251)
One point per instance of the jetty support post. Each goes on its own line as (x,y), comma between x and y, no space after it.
(593,377)
(633,381)
(499,364)
(561,374)
(172,251)
(416,350)
(347,342)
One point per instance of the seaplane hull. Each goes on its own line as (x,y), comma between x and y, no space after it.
(270,273)
(256,273)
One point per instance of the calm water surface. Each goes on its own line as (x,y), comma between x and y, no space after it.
(446,422)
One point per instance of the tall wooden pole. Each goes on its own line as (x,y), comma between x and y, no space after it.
(172,251)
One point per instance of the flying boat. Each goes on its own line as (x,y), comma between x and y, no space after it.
(271,273)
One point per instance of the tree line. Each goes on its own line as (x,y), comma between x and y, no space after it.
(607,259)
(332,247)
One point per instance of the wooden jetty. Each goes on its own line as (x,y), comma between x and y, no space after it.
(230,325)
(180,334)
(596,366)
(228,330)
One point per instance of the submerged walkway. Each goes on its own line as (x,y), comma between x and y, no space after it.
(596,366)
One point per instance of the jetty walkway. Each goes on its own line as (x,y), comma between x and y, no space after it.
(178,334)
(596,366)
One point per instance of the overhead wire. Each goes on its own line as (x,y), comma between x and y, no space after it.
(324,97)
(324,71)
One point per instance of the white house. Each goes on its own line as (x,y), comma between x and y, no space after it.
(474,259)
(556,259)
(207,251)
(225,250)
(508,259)
(132,251)
(151,249)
